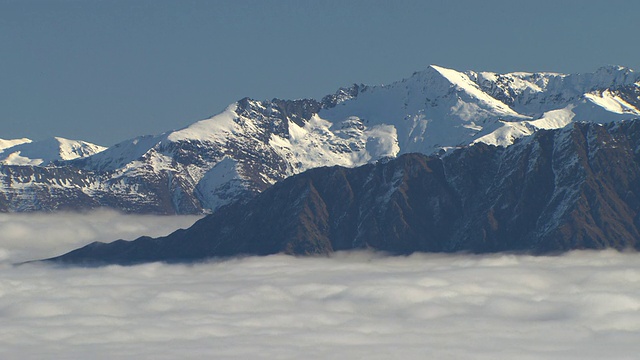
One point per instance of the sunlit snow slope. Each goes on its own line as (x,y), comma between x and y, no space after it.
(12,142)
(46,151)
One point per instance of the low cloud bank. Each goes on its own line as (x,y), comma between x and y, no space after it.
(353,305)
(35,236)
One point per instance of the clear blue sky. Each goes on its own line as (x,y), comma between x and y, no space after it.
(106,71)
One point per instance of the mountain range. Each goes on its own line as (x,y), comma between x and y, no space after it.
(252,145)
(572,188)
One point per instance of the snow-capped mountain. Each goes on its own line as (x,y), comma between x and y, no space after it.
(44,152)
(253,144)
(439,108)
(558,190)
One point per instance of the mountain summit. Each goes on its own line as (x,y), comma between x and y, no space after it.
(254,144)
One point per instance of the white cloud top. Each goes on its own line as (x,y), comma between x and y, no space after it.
(354,305)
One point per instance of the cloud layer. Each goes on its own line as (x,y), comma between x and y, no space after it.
(34,236)
(350,306)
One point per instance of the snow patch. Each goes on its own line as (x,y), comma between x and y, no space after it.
(215,129)
(382,141)
(12,142)
(14,158)
(611,102)
(220,185)
(555,119)
(506,134)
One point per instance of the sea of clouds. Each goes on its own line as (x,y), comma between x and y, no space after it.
(26,237)
(583,305)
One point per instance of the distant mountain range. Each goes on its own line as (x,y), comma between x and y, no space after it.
(44,152)
(254,144)
(571,188)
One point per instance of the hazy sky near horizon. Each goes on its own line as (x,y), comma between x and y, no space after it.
(106,71)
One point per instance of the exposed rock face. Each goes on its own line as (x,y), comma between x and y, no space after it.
(572,188)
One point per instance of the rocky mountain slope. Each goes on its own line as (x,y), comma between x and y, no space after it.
(254,144)
(571,188)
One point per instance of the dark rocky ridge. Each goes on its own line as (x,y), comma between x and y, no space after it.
(573,188)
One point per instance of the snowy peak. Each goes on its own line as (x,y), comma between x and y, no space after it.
(614,76)
(465,85)
(526,90)
(439,108)
(120,154)
(215,129)
(13,142)
(433,109)
(508,87)
(44,152)
(343,94)
(73,149)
